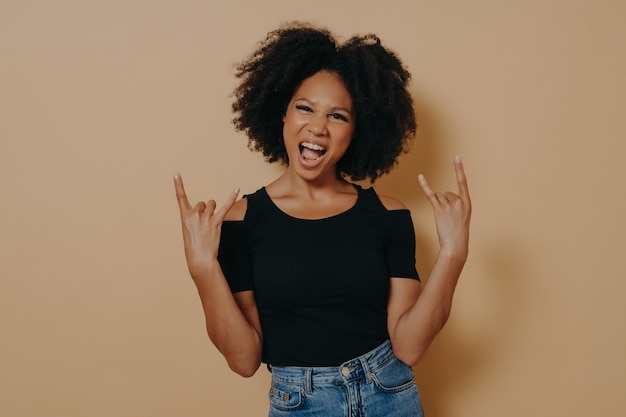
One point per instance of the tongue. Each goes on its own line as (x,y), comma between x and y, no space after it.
(310,153)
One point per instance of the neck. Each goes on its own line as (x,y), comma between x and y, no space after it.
(291,184)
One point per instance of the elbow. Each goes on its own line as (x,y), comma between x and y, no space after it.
(412,350)
(244,370)
(244,365)
(242,360)
(411,358)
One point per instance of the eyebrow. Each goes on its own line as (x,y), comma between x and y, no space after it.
(335,108)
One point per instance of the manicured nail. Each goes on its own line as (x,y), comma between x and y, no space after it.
(420,177)
(176,175)
(236,190)
(457,159)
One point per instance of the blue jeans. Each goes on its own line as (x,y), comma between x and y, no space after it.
(376,384)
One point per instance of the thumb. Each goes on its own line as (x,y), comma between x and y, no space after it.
(232,197)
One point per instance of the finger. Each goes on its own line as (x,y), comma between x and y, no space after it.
(181,196)
(200,207)
(441,198)
(450,196)
(426,188)
(210,207)
(461,179)
(232,197)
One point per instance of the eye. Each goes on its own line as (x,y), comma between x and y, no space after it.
(338,116)
(303,107)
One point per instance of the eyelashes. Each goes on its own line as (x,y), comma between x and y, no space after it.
(338,116)
(304,108)
(334,116)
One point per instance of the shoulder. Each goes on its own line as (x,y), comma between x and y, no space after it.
(238,210)
(389,203)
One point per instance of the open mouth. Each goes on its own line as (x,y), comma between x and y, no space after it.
(311,151)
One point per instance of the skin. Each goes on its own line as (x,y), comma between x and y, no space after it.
(321,112)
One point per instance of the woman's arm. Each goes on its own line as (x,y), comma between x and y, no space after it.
(232,321)
(416,314)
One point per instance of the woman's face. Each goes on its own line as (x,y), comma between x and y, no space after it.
(318,125)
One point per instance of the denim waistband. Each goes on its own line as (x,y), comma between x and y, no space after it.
(361,367)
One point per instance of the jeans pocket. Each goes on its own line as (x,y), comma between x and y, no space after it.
(286,397)
(394,376)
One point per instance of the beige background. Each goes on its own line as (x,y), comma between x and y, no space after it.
(101,101)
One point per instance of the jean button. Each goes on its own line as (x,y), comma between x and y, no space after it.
(345,371)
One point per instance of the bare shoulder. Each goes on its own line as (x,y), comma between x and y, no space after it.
(391,203)
(238,210)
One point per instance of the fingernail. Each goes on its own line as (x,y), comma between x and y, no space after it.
(420,177)
(457,159)
(236,190)
(176,175)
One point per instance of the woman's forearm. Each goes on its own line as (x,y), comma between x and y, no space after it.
(419,325)
(228,328)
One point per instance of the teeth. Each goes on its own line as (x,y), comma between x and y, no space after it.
(312,146)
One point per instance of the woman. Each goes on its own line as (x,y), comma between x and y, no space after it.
(312,274)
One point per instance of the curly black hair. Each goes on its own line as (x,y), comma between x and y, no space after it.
(374,76)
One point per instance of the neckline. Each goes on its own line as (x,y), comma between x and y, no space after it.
(359,192)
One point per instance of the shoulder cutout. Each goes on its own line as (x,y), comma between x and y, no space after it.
(238,210)
(391,203)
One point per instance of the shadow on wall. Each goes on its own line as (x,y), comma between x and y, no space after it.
(471,346)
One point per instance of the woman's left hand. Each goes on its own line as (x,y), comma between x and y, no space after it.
(452,213)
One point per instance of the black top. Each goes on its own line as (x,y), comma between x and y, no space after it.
(321,286)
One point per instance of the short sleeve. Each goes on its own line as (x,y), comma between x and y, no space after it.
(401,245)
(234,256)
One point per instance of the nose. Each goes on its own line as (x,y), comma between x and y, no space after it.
(317,124)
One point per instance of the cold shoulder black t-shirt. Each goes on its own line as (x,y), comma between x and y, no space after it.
(321,286)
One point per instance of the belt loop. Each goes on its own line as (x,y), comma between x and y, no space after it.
(308,381)
(366,369)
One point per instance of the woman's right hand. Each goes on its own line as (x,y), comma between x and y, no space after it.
(201,229)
